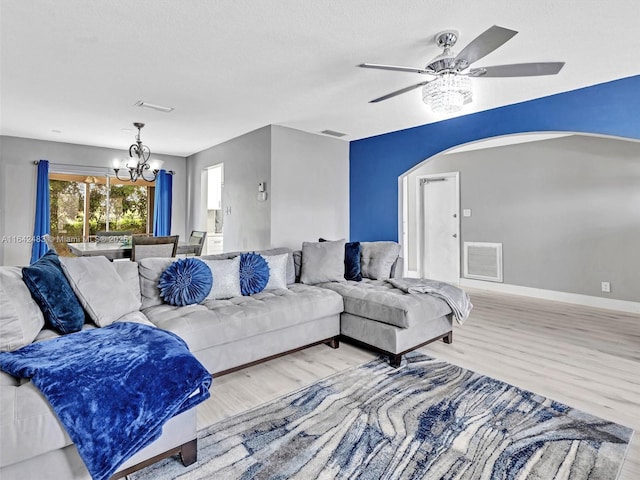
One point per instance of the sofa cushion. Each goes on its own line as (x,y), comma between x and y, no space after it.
(52,292)
(100,290)
(277,271)
(128,272)
(377,258)
(217,322)
(379,300)
(28,425)
(322,262)
(185,282)
(149,271)
(254,273)
(226,278)
(20,317)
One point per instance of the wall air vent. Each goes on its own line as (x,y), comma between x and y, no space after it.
(160,108)
(333,133)
(483,261)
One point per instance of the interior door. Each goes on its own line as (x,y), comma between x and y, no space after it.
(441,227)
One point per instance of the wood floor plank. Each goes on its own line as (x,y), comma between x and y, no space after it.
(585,357)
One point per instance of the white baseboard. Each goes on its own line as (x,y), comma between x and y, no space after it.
(412,274)
(575,298)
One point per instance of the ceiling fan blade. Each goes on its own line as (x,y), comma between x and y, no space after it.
(398,92)
(518,70)
(484,44)
(395,68)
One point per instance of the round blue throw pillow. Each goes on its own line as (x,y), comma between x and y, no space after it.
(254,273)
(185,282)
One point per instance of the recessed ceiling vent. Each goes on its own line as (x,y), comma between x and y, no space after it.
(333,133)
(160,108)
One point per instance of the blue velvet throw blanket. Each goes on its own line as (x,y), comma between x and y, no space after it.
(112,388)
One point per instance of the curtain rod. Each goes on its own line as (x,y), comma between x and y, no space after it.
(88,167)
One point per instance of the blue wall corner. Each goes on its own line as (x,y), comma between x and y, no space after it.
(611,108)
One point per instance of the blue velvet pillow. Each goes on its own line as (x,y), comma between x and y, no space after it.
(352,269)
(352,261)
(51,290)
(254,273)
(185,282)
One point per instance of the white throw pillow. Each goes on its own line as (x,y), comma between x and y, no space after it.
(100,290)
(226,278)
(277,271)
(20,317)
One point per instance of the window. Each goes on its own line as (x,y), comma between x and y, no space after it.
(83,205)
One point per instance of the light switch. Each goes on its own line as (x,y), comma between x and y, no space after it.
(466,212)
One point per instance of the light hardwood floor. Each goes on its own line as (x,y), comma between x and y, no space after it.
(585,357)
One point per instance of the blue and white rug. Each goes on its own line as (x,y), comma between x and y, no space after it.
(426,420)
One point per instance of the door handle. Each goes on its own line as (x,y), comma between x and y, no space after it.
(455,235)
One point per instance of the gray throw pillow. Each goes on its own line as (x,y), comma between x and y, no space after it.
(101,291)
(322,262)
(377,258)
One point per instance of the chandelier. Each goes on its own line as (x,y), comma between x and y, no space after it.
(448,93)
(138,162)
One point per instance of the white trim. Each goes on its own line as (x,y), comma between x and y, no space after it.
(404,218)
(575,298)
(420,215)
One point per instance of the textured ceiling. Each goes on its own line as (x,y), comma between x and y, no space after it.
(71,70)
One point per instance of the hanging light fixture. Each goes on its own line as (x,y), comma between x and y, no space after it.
(138,162)
(448,93)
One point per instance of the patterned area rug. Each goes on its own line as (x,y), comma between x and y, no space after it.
(428,420)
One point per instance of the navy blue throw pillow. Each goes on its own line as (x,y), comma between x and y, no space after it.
(254,273)
(352,269)
(51,290)
(186,281)
(352,261)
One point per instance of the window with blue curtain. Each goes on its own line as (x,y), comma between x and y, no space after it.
(43,215)
(162,204)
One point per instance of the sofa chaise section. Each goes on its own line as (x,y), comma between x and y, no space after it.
(391,321)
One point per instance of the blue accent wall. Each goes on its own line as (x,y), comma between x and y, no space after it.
(611,108)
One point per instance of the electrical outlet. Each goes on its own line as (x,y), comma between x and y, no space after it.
(606,287)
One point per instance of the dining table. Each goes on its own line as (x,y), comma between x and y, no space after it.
(114,251)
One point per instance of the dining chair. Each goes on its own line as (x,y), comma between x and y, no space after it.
(197,237)
(145,247)
(113,237)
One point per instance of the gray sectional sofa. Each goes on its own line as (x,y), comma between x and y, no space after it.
(223,335)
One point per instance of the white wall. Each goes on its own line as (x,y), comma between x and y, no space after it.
(309,187)
(18,186)
(246,162)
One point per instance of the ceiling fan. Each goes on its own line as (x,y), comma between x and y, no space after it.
(451,88)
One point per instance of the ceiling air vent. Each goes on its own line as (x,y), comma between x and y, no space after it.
(333,133)
(160,108)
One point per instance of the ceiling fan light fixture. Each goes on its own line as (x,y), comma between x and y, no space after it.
(448,93)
